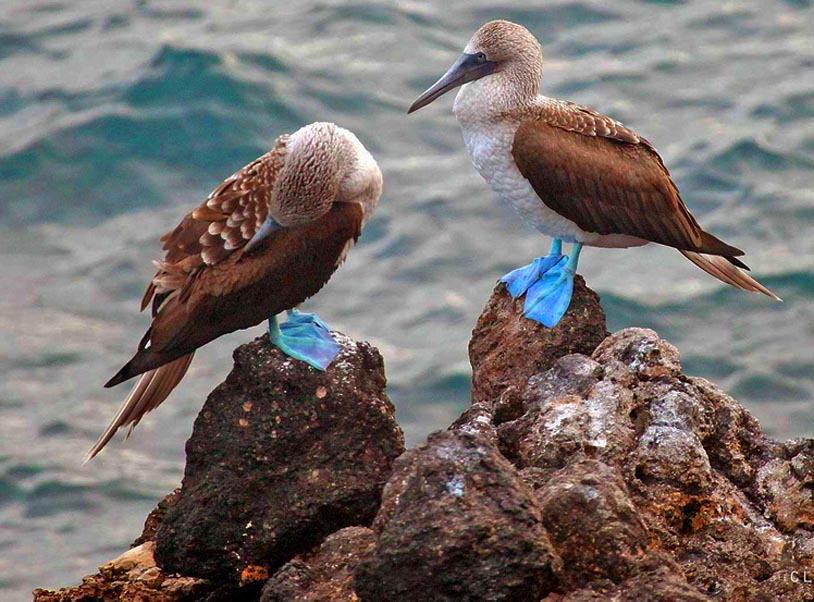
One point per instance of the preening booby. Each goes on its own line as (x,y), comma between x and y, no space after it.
(575,174)
(264,241)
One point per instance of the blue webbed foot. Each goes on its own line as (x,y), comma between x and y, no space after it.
(548,283)
(520,280)
(304,337)
(548,299)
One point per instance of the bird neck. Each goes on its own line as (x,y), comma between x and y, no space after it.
(504,92)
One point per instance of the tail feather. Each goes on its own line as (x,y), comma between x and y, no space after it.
(715,246)
(726,270)
(139,363)
(147,394)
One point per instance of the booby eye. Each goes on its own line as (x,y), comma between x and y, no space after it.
(480,57)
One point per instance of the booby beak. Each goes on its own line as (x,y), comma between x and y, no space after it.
(467,68)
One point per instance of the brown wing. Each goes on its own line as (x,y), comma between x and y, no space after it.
(222,224)
(239,292)
(602,176)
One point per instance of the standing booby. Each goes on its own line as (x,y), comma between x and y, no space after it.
(573,173)
(265,240)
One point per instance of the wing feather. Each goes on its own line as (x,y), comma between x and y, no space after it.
(221,225)
(602,176)
(243,291)
(147,394)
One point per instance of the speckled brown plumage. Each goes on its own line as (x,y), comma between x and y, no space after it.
(243,290)
(319,185)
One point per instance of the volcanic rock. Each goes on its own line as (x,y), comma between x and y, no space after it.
(324,574)
(506,349)
(457,523)
(281,456)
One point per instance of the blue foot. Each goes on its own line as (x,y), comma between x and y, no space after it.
(520,280)
(548,283)
(548,299)
(304,337)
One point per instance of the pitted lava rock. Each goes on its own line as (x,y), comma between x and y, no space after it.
(281,456)
(324,574)
(588,468)
(457,523)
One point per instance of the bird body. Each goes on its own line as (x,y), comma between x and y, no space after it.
(574,174)
(490,146)
(264,241)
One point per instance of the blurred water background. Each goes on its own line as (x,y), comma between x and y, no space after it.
(117,117)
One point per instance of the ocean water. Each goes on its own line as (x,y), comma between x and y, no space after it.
(116,117)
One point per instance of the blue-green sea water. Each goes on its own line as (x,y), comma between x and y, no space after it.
(117,117)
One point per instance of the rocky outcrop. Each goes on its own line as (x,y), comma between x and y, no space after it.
(654,485)
(588,468)
(324,574)
(507,349)
(281,456)
(133,576)
(457,523)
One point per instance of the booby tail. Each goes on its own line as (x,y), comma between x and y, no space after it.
(727,270)
(152,388)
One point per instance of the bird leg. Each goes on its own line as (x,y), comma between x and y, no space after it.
(304,337)
(548,283)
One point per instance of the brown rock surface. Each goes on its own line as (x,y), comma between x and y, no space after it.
(654,485)
(281,456)
(507,349)
(457,523)
(132,577)
(324,574)
(611,539)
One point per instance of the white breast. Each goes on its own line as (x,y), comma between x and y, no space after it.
(490,147)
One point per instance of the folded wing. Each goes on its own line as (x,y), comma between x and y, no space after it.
(606,179)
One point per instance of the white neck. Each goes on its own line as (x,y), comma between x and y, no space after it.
(486,99)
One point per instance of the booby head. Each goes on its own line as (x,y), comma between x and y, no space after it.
(324,163)
(505,56)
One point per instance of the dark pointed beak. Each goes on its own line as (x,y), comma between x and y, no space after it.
(466,69)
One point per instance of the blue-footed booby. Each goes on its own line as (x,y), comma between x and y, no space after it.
(265,240)
(573,173)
